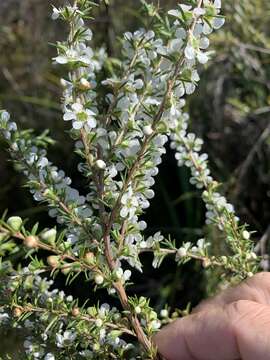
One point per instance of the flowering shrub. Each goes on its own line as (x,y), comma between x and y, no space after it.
(120,126)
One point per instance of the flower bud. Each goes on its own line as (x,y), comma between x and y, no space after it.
(28,283)
(99,279)
(119,273)
(148,130)
(15,222)
(76,267)
(49,236)
(100,164)
(89,258)
(98,323)
(96,347)
(251,256)
(84,84)
(175,314)
(164,313)
(246,235)
(63,83)
(31,242)
(17,312)
(66,270)
(116,317)
(206,263)
(155,325)
(224,259)
(138,310)
(49,194)
(53,261)
(182,252)
(75,312)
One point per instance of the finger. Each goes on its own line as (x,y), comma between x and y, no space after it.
(251,326)
(256,288)
(202,336)
(240,330)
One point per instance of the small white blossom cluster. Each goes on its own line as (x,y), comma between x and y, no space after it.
(47,328)
(46,182)
(120,138)
(188,249)
(218,210)
(188,148)
(198,41)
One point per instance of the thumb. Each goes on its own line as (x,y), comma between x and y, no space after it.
(240,330)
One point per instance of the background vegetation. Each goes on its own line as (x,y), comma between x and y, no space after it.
(230,110)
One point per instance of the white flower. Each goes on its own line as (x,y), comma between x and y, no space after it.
(138,84)
(204,43)
(207,29)
(180,33)
(127,275)
(149,193)
(198,11)
(190,52)
(4,116)
(104,310)
(4,317)
(66,339)
(80,116)
(202,57)
(176,45)
(56,13)
(130,204)
(80,53)
(201,244)
(42,162)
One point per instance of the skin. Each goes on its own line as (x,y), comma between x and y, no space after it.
(234,325)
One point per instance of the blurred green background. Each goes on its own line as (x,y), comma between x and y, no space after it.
(230,111)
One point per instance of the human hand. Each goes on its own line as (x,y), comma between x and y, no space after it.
(231,326)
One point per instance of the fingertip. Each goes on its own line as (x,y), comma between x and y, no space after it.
(170,341)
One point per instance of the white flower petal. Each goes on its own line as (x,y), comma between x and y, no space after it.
(91,123)
(61,59)
(190,52)
(175,13)
(124,212)
(77,125)
(218,22)
(69,116)
(77,107)
(202,57)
